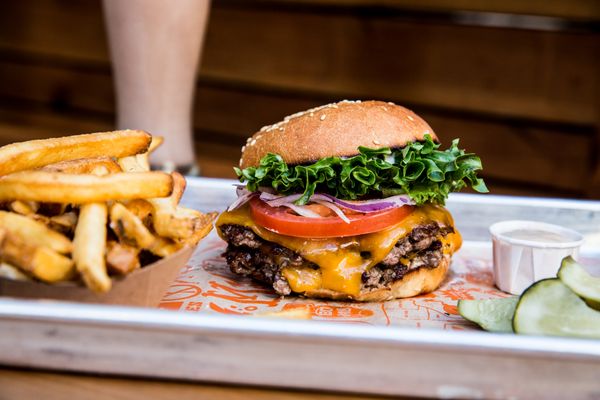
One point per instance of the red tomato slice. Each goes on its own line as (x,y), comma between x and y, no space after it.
(283,221)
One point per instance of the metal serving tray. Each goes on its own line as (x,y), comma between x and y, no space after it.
(388,360)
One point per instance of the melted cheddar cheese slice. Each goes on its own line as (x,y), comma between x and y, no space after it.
(341,260)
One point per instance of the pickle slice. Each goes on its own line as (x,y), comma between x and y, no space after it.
(494,315)
(549,307)
(580,281)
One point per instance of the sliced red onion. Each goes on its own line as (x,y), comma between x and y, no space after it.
(264,196)
(276,201)
(367,206)
(241,190)
(364,206)
(244,195)
(335,209)
(301,210)
(264,189)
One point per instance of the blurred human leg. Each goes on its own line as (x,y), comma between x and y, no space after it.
(155,47)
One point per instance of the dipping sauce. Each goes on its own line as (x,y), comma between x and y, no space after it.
(527,251)
(536,235)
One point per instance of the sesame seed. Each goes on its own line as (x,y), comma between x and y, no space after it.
(376,142)
(323,117)
(311,112)
(390,103)
(243,148)
(281,128)
(253,142)
(411,118)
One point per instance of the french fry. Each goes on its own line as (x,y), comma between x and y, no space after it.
(44,219)
(34,233)
(156,142)
(183,224)
(121,259)
(24,207)
(55,187)
(164,247)
(176,222)
(134,164)
(204,225)
(142,209)
(9,271)
(140,162)
(165,209)
(64,223)
(50,266)
(129,228)
(43,182)
(84,166)
(131,231)
(179,185)
(89,246)
(41,262)
(180,223)
(38,153)
(171,220)
(137,163)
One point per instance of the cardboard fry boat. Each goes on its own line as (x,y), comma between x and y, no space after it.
(143,287)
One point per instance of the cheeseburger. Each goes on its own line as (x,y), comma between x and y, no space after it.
(345,201)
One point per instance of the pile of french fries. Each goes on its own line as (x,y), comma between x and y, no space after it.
(87,207)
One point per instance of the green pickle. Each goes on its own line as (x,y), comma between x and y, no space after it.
(494,315)
(567,306)
(580,281)
(549,307)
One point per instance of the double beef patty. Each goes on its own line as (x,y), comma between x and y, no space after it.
(249,255)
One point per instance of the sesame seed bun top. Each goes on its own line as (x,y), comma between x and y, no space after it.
(336,129)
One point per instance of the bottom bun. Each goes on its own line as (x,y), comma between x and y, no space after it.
(419,281)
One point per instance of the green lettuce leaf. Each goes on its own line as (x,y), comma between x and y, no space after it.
(420,170)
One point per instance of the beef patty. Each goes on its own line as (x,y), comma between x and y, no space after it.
(249,255)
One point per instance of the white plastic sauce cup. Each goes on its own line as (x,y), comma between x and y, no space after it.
(520,262)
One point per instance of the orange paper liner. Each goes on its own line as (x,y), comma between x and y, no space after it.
(206,285)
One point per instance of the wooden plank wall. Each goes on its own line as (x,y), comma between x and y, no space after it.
(526,100)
